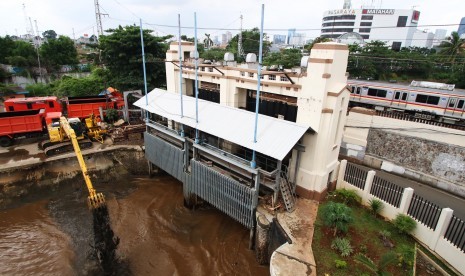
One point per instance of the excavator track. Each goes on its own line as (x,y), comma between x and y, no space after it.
(52,150)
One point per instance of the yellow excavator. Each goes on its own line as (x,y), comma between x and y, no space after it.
(94,200)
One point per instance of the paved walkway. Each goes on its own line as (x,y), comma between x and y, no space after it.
(296,258)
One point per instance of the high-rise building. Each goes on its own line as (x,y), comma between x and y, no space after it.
(439,36)
(461,30)
(367,22)
(290,34)
(279,39)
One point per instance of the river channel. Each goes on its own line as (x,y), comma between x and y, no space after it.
(51,234)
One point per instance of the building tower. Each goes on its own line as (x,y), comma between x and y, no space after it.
(347,4)
(461,30)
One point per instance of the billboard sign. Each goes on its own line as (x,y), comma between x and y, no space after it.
(378,11)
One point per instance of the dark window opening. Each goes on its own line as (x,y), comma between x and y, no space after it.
(338,30)
(50,104)
(396,46)
(271,107)
(339,17)
(364,30)
(365,36)
(452,102)
(11,108)
(358,90)
(365,23)
(434,100)
(397,95)
(29,105)
(402,21)
(338,24)
(352,90)
(367,17)
(377,92)
(404,96)
(460,104)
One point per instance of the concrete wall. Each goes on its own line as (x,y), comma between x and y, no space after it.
(45,176)
(430,154)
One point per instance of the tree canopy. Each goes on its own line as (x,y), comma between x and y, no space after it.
(49,34)
(122,55)
(288,58)
(452,47)
(57,52)
(250,44)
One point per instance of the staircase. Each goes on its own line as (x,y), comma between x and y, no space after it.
(286,193)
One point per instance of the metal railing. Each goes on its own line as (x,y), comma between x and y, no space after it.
(355,176)
(424,211)
(387,191)
(455,233)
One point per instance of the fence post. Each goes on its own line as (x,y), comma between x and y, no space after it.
(340,175)
(441,227)
(368,182)
(405,201)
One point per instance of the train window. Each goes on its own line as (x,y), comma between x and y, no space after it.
(29,105)
(397,95)
(427,99)
(451,102)
(352,90)
(404,96)
(377,92)
(358,90)
(460,104)
(50,104)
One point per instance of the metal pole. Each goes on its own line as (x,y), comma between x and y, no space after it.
(180,69)
(143,66)
(196,60)
(259,74)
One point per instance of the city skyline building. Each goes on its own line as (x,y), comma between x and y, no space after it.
(461,29)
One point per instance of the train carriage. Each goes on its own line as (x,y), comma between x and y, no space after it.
(426,100)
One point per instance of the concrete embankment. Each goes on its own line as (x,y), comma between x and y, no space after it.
(25,171)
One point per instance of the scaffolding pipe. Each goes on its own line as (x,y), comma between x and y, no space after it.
(253,163)
(143,66)
(180,70)
(196,60)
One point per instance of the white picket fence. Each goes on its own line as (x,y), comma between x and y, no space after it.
(431,236)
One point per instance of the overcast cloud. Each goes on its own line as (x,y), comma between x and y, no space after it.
(64,15)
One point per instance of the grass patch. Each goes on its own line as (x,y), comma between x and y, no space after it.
(364,236)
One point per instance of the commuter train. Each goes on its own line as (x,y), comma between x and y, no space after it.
(425,100)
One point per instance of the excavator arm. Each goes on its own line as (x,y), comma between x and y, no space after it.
(94,200)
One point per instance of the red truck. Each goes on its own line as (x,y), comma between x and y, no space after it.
(72,107)
(21,124)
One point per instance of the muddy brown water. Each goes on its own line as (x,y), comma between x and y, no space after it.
(52,235)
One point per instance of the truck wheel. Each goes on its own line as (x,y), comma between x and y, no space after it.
(6,141)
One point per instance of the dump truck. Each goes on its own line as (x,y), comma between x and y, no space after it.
(21,124)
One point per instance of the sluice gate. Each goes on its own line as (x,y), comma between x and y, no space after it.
(234,197)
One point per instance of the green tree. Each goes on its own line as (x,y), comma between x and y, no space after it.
(49,34)
(122,55)
(452,47)
(23,55)
(58,52)
(250,44)
(288,58)
(213,54)
(319,39)
(38,89)
(6,47)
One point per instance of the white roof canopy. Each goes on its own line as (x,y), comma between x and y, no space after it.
(275,137)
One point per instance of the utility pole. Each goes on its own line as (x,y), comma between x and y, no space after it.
(240,50)
(36,46)
(98,18)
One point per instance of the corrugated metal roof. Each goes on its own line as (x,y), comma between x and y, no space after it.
(275,137)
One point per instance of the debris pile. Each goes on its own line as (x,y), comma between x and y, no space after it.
(128,133)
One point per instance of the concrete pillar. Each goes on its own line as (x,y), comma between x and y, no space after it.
(340,175)
(441,227)
(368,183)
(405,201)
(262,239)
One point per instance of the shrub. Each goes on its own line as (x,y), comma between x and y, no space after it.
(346,196)
(363,248)
(381,266)
(376,206)
(404,223)
(112,115)
(340,264)
(385,234)
(337,216)
(405,256)
(343,246)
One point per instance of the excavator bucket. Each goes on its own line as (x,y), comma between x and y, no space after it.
(96,201)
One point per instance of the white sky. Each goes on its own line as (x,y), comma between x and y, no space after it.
(64,15)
